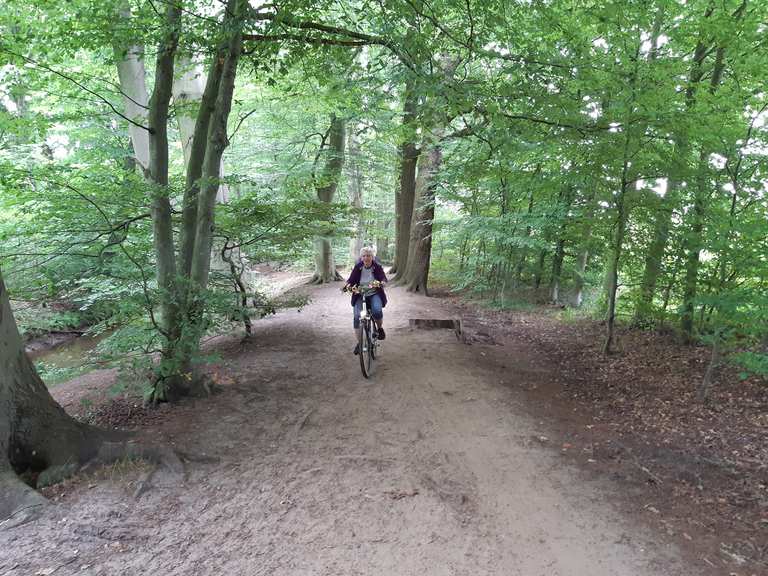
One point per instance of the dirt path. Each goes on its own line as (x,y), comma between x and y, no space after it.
(432,468)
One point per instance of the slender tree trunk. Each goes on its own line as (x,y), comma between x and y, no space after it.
(524,251)
(622,215)
(214,150)
(670,201)
(705,386)
(420,245)
(566,200)
(196,158)
(694,239)
(406,191)
(581,270)
(355,196)
(539,272)
(557,268)
(613,269)
(133,84)
(583,259)
(188,91)
(158,175)
(325,267)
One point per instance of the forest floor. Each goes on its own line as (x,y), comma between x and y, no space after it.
(515,451)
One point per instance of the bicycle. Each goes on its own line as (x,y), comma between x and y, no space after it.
(368,332)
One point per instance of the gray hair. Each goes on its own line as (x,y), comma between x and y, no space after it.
(367,250)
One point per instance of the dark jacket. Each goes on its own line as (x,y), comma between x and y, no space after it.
(378,274)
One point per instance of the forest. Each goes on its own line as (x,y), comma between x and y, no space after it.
(605,159)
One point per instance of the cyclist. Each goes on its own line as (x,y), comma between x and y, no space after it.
(368,272)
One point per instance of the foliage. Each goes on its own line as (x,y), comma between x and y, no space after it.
(577,136)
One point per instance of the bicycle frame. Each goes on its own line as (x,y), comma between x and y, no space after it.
(367,336)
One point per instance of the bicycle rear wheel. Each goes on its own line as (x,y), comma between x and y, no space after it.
(366,348)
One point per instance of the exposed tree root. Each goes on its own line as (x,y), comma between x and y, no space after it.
(318,279)
(19,503)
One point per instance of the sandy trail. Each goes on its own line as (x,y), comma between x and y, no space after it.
(431,468)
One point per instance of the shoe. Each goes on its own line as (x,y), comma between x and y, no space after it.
(382,334)
(357,349)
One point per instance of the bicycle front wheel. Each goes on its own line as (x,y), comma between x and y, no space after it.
(366,349)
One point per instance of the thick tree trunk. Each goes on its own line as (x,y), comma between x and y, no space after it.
(133,84)
(406,191)
(420,245)
(326,184)
(35,432)
(692,247)
(656,250)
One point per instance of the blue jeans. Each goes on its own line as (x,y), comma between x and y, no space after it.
(374,305)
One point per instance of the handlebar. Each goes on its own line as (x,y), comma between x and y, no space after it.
(357,289)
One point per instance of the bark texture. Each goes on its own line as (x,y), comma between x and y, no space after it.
(196,151)
(694,239)
(355,176)
(214,150)
(35,432)
(406,191)
(133,84)
(326,184)
(188,92)
(420,244)
(671,200)
(158,174)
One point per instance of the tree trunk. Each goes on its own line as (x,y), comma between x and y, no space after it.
(420,244)
(518,279)
(581,270)
(214,151)
(188,90)
(617,245)
(705,386)
(326,184)
(557,268)
(133,84)
(566,200)
(158,175)
(667,205)
(35,432)
(539,272)
(196,158)
(406,191)
(613,269)
(583,259)
(694,239)
(355,197)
